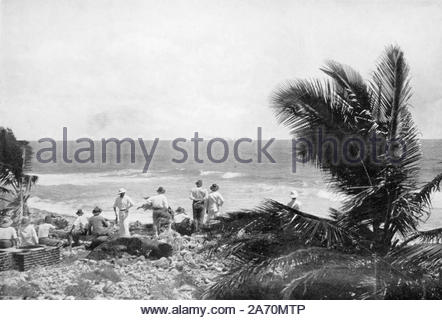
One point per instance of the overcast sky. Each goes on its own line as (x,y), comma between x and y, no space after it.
(168,68)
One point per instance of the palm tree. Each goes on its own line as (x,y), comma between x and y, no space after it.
(368,244)
(15,184)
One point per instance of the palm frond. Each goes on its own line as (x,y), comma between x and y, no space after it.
(4,190)
(352,87)
(275,221)
(275,272)
(391,89)
(428,256)
(424,195)
(427,236)
(430,236)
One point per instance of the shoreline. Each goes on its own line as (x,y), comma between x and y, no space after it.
(39,214)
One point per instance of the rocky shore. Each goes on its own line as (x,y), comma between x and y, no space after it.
(184,275)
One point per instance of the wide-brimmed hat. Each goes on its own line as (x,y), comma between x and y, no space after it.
(96,210)
(5,222)
(214,187)
(293,194)
(79,212)
(199,181)
(121,190)
(180,210)
(161,190)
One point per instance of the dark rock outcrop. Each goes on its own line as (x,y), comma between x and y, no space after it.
(137,246)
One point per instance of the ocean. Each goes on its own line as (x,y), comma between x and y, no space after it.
(65,187)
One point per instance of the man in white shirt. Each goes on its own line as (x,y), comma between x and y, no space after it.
(294,203)
(123,203)
(43,232)
(8,235)
(160,206)
(27,234)
(198,195)
(214,201)
(79,228)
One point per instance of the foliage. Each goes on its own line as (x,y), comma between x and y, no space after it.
(15,184)
(363,250)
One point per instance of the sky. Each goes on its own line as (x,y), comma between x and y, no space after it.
(165,69)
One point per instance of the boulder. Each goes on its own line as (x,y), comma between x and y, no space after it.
(162,263)
(185,227)
(97,241)
(136,246)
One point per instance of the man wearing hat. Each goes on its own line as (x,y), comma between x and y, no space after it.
(27,234)
(198,195)
(294,203)
(8,235)
(98,225)
(44,231)
(79,228)
(123,203)
(160,206)
(214,202)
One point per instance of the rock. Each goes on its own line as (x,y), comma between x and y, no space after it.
(161,263)
(179,266)
(161,276)
(174,272)
(202,266)
(97,242)
(206,281)
(184,228)
(137,246)
(186,287)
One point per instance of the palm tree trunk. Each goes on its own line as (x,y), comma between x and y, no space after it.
(376,278)
(22,181)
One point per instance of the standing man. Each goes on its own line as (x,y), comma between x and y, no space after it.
(123,203)
(160,206)
(198,195)
(294,203)
(214,202)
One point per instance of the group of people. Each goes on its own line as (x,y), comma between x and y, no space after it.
(206,205)
(27,235)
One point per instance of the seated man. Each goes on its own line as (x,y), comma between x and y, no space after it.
(182,222)
(27,234)
(79,228)
(8,235)
(98,225)
(43,232)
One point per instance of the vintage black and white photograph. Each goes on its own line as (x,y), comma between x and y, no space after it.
(220,150)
